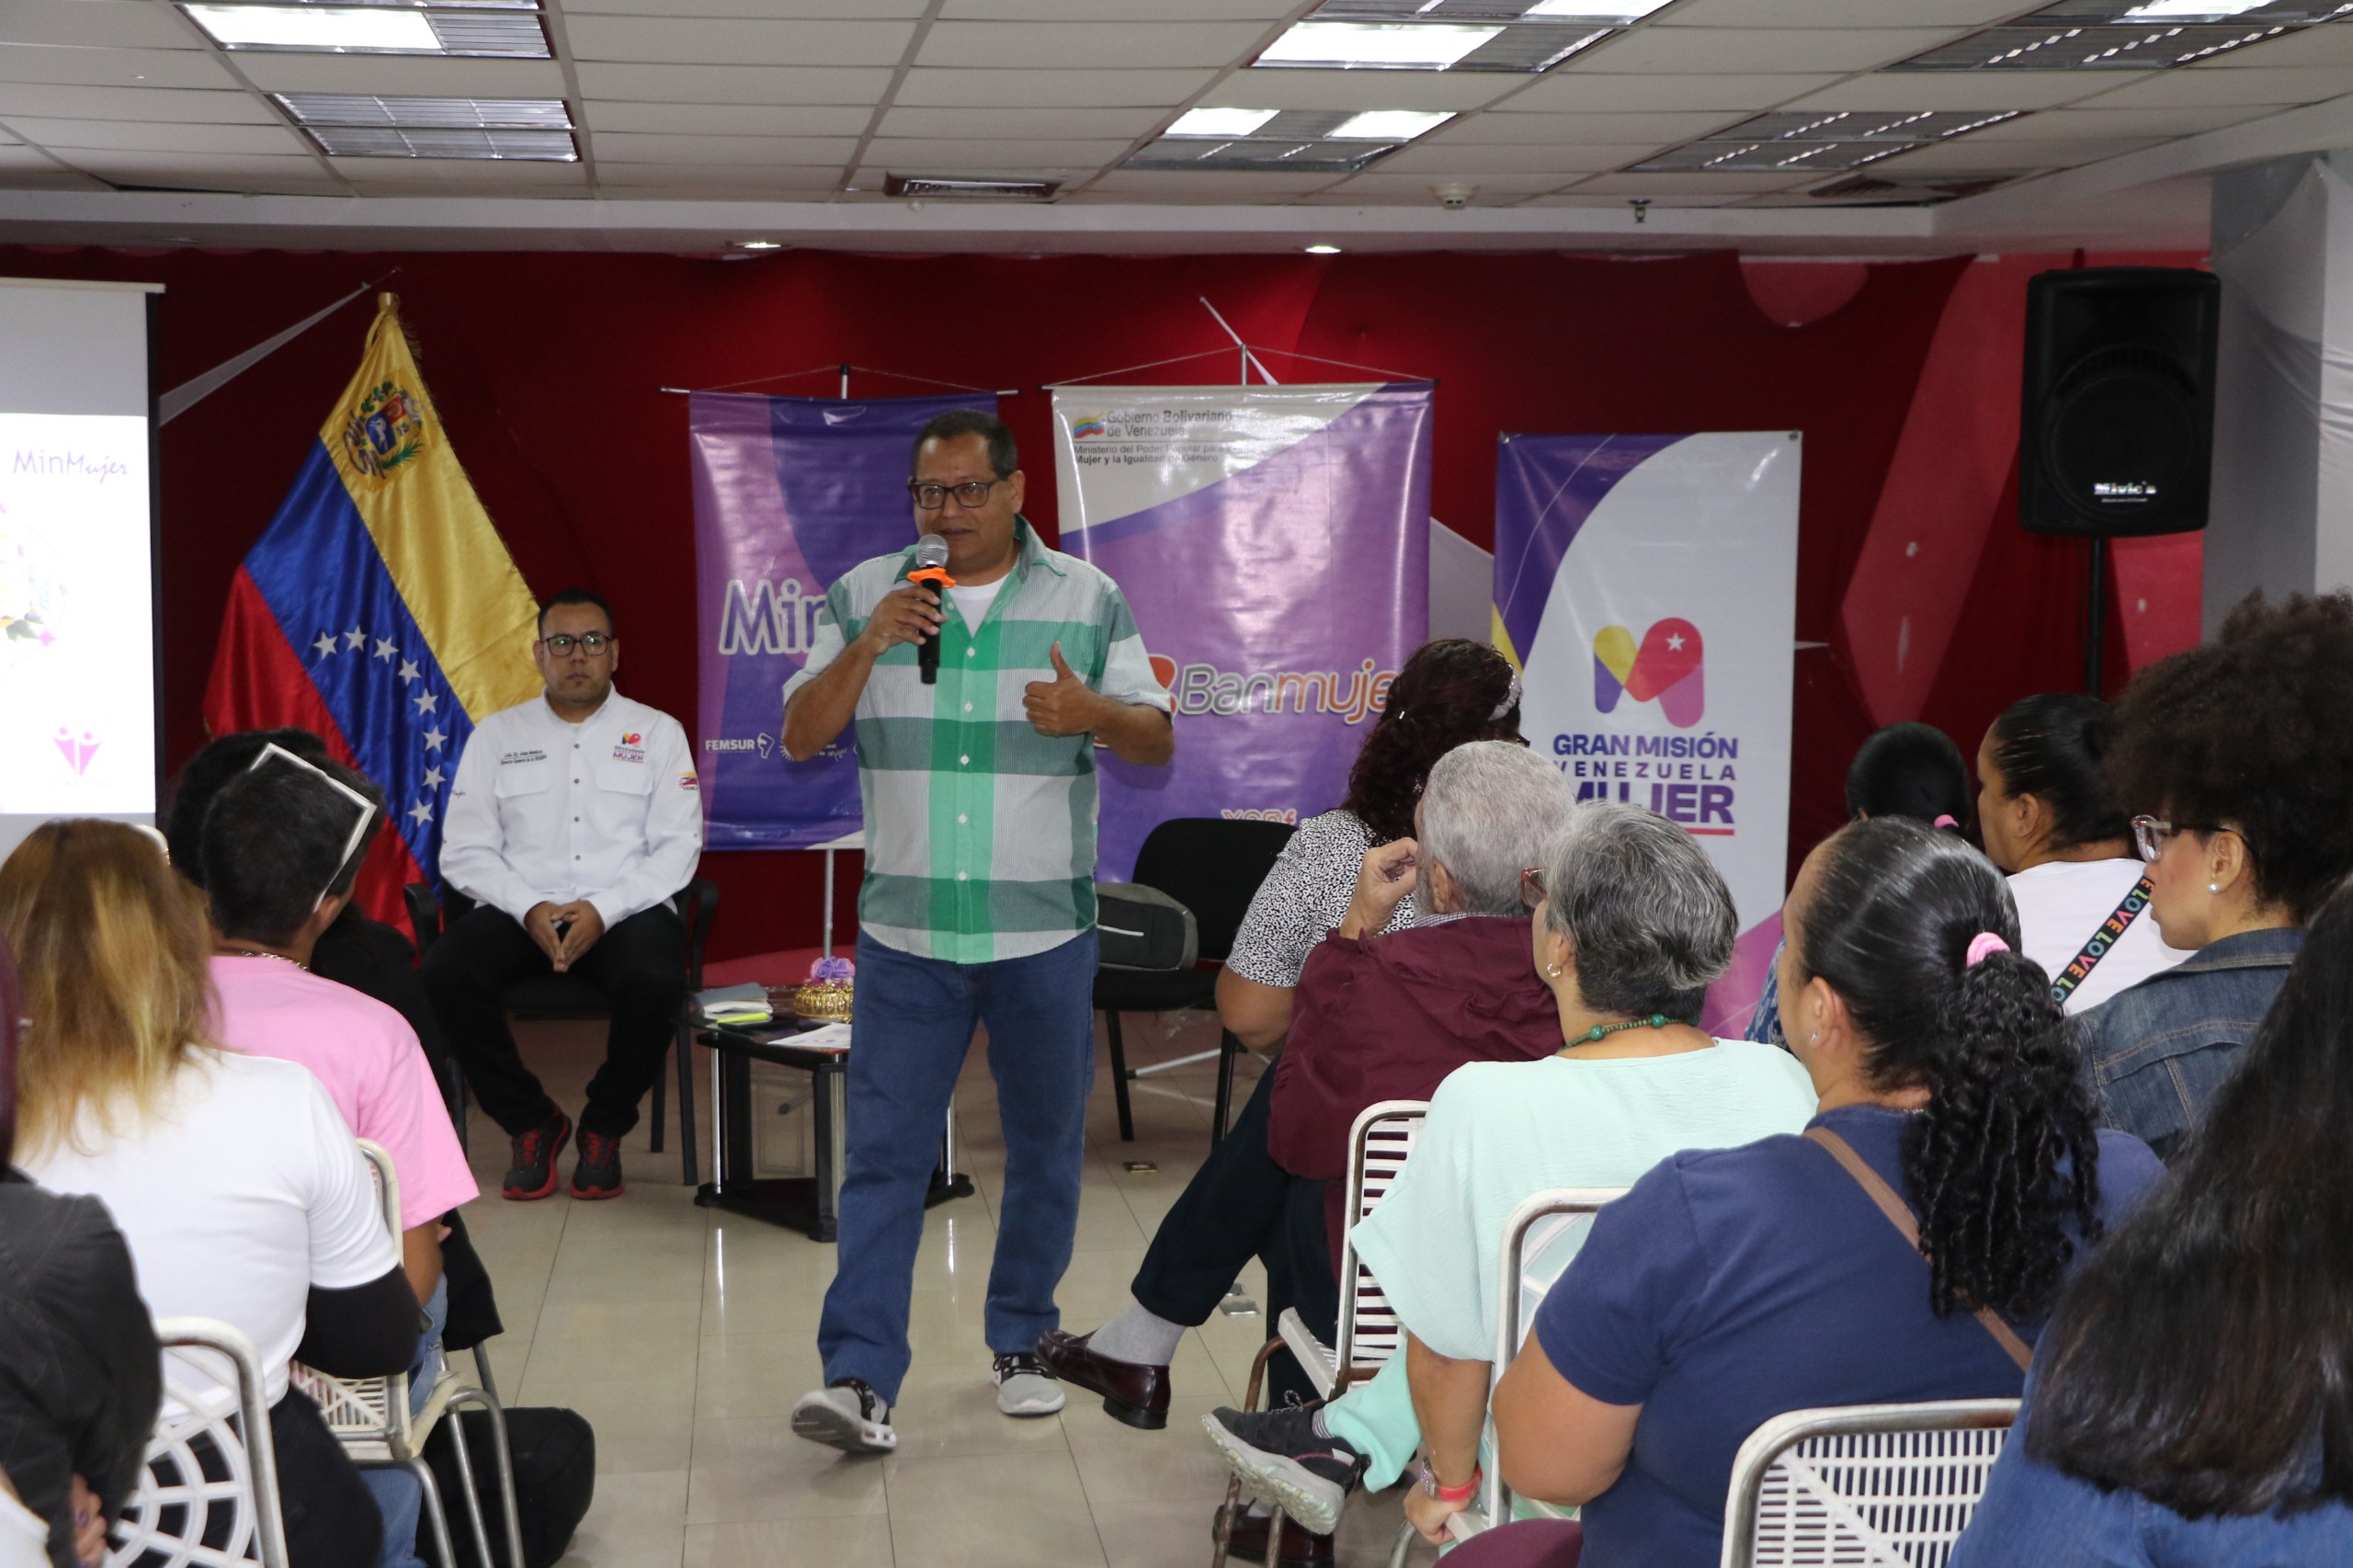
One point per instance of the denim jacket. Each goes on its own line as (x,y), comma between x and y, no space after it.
(2155,1053)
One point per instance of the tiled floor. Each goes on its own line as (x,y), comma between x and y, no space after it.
(685,1335)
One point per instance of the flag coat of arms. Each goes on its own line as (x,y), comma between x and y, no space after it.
(380,609)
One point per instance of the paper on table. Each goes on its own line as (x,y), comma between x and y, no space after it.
(830,1037)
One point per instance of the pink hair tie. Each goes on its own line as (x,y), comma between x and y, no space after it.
(1982,944)
(1945,821)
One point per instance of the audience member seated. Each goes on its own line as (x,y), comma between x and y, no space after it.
(1449,692)
(1904,770)
(368,956)
(2047,818)
(2239,755)
(1633,925)
(279,862)
(2189,1408)
(233,1177)
(1735,1285)
(1388,1017)
(79,1377)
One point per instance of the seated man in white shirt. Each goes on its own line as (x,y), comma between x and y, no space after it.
(573,818)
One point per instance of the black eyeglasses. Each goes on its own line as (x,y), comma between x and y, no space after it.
(969,495)
(563,642)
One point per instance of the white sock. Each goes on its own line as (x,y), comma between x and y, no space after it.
(1137,1336)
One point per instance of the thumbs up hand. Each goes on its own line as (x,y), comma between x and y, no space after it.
(1065,705)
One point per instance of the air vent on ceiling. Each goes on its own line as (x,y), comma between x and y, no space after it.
(926,185)
(2106,35)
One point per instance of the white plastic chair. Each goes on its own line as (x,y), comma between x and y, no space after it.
(1368,1332)
(1862,1486)
(208,1497)
(370,1417)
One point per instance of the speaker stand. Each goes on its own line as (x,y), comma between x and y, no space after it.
(2095,613)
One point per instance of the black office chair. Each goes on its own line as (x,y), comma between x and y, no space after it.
(1213,867)
(576,996)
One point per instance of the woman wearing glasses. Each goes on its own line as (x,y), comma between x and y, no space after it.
(2239,755)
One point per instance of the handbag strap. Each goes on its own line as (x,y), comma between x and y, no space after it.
(2103,942)
(1900,1216)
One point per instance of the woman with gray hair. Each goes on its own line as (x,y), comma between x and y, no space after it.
(1631,924)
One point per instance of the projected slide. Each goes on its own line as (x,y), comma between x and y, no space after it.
(76,617)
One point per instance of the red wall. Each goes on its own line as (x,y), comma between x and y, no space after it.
(545,368)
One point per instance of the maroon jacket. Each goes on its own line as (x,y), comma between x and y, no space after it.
(1387,1018)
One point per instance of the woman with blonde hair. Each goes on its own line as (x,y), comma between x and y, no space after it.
(234,1179)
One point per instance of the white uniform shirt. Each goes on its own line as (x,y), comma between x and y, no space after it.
(543,812)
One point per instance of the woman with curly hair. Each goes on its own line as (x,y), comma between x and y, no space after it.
(1731,1286)
(2238,756)
(2189,1405)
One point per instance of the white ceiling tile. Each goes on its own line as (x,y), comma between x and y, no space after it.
(1363,89)
(1593,92)
(2058,124)
(114,67)
(1038,124)
(1623,129)
(769,10)
(2293,84)
(1470,162)
(1651,51)
(1664,188)
(904,153)
(2330,45)
(421,176)
(160,136)
(1055,89)
(1411,190)
(202,171)
(1964,90)
(1967,152)
(1206,185)
(133,103)
(1840,13)
(117,24)
(1096,43)
(637,146)
(727,119)
(403,75)
(1263,11)
(702,180)
(712,42)
(733,83)
(21,169)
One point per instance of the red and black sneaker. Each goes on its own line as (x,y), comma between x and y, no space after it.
(533,1174)
(599,1174)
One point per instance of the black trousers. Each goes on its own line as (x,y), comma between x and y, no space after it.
(641,967)
(1238,1206)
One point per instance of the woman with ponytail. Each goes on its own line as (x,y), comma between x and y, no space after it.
(2190,1405)
(1905,1248)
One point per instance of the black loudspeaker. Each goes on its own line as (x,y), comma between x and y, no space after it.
(2118,431)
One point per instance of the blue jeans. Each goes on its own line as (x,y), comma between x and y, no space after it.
(399,1496)
(913,1020)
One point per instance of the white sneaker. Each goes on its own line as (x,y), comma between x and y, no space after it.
(1024,1387)
(847,1415)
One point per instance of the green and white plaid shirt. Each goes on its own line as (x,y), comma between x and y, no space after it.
(980,832)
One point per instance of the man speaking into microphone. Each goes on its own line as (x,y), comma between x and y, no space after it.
(979,682)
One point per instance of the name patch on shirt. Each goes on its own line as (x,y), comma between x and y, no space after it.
(631,749)
(508,758)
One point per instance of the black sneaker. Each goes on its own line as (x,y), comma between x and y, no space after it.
(533,1174)
(846,1414)
(599,1174)
(1279,1456)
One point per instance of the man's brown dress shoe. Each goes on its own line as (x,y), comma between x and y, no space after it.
(1132,1392)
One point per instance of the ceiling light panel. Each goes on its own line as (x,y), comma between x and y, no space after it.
(2125,35)
(1801,142)
(1330,141)
(1390,124)
(488,146)
(479,27)
(1446,35)
(1219,122)
(470,114)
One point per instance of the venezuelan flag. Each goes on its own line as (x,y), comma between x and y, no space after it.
(380,609)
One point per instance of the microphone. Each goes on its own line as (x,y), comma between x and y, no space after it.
(931,567)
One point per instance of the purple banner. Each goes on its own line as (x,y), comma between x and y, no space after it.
(790,494)
(1274,543)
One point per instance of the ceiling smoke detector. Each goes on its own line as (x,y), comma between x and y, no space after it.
(924,187)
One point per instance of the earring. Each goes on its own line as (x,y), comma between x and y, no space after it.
(2213,887)
(1814,1038)
(1553,969)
